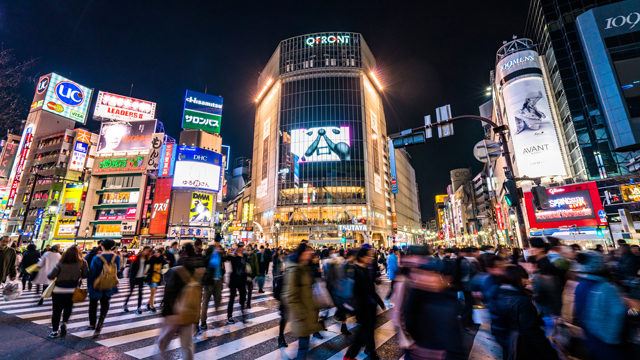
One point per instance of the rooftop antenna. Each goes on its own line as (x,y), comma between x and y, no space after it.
(131,91)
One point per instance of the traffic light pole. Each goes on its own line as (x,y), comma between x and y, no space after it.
(500,130)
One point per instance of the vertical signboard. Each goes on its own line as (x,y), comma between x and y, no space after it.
(499,218)
(80,149)
(160,208)
(8,157)
(167,158)
(154,153)
(66,225)
(19,165)
(392,167)
(202,111)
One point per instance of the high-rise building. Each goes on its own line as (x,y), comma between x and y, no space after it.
(592,50)
(320,154)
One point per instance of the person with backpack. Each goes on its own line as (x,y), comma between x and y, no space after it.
(136,278)
(213,278)
(237,279)
(154,276)
(67,273)
(182,300)
(102,283)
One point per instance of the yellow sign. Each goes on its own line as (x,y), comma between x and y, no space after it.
(245,212)
(65,226)
(200,213)
(440,198)
(630,193)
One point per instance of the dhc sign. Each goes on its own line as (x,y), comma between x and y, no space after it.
(327,40)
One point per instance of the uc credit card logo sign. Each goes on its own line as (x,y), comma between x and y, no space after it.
(69,93)
(43,85)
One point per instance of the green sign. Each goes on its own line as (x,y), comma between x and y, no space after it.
(199,120)
(121,163)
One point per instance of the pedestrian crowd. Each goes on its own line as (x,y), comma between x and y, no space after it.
(549,301)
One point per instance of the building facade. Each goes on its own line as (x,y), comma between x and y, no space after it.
(320,155)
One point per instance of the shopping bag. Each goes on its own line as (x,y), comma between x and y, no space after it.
(33,269)
(12,290)
(49,290)
(321,295)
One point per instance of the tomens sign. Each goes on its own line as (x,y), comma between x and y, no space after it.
(516,61)
(353,228)
(327,40)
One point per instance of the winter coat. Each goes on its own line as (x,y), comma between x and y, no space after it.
(175,284)
(263,261)
(298,300)
(364,291)
(514,317)
(253,262)
(29,258)
(47,262)
(95,270)
(392,266)
(7,264)
(238,275)
(134,268)
(68,275)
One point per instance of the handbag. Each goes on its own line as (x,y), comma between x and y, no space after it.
(32,269)
(321,295)
(79,295)
(49,290)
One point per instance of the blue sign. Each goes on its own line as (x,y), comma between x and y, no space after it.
(81,147)
(172,164)
(296,170)
(38,221)
(69,93)
(392,165)
(202,111)
(163,151)
(190,153)
(602,214)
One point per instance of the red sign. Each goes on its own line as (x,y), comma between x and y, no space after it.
(571,205)
(499,218)
(19,169)
(129,215)
(160,207)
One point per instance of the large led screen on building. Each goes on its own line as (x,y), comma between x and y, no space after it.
(118,107)
(200,211)
(197,168)
(328,143)
(66,98)
(532,129)
(126,136)
(202,111)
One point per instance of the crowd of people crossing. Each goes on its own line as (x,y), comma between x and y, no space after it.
(550,301)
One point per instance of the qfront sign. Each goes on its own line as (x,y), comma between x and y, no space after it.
(327,40)
(202,112)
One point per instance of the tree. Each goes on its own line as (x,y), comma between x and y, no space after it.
(13,107)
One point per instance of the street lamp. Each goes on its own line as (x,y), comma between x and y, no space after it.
(277,231)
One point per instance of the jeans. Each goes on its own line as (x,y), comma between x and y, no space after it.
(232,296)
(390,290)
(364,337)
(214,289)
(132,285)
(26,277)
(261,279)
(60,302)
(93,308)
(169,328)
(303,348)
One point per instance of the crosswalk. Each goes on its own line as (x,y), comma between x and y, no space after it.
(135,335)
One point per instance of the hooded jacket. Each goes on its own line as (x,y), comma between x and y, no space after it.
(175,284)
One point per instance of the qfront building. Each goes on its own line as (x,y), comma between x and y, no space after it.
(321,167)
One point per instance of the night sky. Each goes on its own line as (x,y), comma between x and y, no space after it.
(429,53)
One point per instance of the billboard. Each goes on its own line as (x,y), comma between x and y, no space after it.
(41,92)
(532,128)
(327,143)
(25,144)
(118,214)
(153,161)
(66,98)
(160,207)
(80,149)
(167,159)
(66,225)
(392,167)
(201,207)
(7,159)
(126,136)
(202,111)
(197,168)
(123,108)
(226,152)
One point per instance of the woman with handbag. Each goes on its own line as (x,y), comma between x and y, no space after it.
(67,275)
(154,276)
(47,262)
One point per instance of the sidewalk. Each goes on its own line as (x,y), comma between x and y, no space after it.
(484,346)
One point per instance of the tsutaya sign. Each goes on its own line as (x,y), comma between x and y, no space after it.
(325,40)
(353,228)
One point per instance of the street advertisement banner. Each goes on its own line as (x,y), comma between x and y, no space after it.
(153,161)
(79,154)
(118,214)
(499,216)
(128,227)
(197,168)
(296,171)
(201,208)
(202,112)
(392,167)
(66,98)
(126,136)
(160,207)
(25,144)
(532,128)
(328,143)
(66,224)
(123,108)
(167,159)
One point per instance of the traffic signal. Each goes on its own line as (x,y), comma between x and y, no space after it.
(599,232)
(511,195)
(540,197)
(344,240)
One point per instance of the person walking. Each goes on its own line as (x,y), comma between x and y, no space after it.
(136,278)
(392,268)
(29,258)
(278,281)
(365,299)
(264,258)
(298,299)
(154,276)
(335,274)
(253,263)
(7,260)
(212,279)
(179,301)
(237,280)
(99,268)
(172,254)
(68,272)
(47,262)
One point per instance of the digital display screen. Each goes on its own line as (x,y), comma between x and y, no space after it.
(328,143)
(574,205)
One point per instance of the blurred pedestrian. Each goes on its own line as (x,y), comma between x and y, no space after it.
(252,257)
(264,259)
(155,266)
(336,282)
(97,270)
(136,278)
(30,257)
(47,262)
(237,280)
(213,278)
(392,268)
(7,260)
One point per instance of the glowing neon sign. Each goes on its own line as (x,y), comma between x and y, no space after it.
(327,40)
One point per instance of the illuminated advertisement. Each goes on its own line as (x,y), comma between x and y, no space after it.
(124,164)
(126,136)
(197,232)
(533,131)
(197,168)
(569,205)
(118,214)
(160,207)
(202,111)
(66,98)
(327,143)
(41,92)
(79,154)
(630,193)
(8,157)
(124,108)
(201,207)
(392,166)
(226,152)
(167,159)
(153,161)
(69,210)
(499,216)
(19,165)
